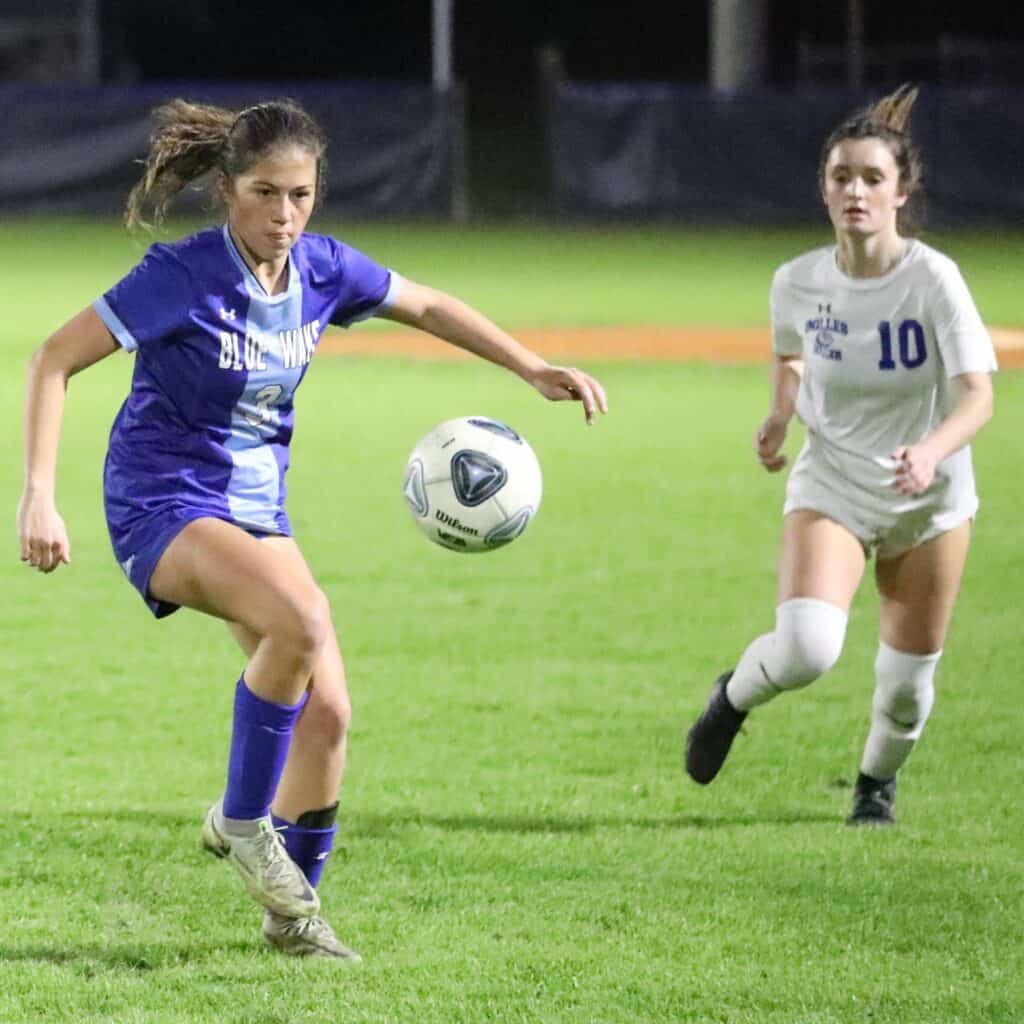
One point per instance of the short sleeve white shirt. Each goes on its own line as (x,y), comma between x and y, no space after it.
(878,353)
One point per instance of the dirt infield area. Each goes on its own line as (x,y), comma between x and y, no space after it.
(676,344)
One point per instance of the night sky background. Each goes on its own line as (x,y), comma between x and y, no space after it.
(494,39)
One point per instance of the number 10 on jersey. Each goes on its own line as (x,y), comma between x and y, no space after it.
(910,340)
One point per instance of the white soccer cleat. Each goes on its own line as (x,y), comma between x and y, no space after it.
(270,876)
(305,936)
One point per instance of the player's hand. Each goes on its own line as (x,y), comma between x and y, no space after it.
(560,384)
(915,468)
(768,442)
(42,536)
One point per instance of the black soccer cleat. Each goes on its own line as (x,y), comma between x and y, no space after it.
(711,736)
(873,801)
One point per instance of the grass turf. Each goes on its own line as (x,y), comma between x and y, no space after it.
(525,275)
(518,841)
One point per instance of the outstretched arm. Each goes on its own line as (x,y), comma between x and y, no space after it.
(82,341)
(453,321)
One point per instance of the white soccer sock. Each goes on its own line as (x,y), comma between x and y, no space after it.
(807,642)
(904,695)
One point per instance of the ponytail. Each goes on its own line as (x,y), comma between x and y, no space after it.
(893,111)
(191,139)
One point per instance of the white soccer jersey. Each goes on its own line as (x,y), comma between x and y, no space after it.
(878,355)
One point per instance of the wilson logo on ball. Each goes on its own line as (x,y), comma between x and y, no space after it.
(476,477)
(454,523)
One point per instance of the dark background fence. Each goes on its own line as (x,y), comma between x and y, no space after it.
(557,109)
(395,149)
(641,151)
(664,151)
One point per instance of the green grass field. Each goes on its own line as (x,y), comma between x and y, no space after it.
(518,843)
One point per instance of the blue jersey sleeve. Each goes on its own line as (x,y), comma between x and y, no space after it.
(366,287)
(151,302)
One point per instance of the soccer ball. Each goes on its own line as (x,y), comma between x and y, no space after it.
(472,484)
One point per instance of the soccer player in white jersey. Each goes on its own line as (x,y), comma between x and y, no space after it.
(879,350)
(224,324)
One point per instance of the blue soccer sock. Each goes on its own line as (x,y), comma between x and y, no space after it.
(308,847)
(260,737)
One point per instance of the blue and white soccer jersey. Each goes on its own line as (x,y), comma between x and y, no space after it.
(206,427)
(878,356)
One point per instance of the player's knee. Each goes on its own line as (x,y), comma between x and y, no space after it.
(314,622)
(302,623)
(904,688)
(342,721)
(332,720)
(809,636)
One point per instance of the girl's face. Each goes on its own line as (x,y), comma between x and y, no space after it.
(861,187)
(271,202)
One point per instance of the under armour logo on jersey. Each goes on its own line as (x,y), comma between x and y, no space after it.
(824,309)
(227,314)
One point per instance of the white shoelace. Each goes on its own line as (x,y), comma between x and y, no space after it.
(273,859)
(303,926)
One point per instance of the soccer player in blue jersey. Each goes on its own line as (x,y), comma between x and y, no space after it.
(879,349)
(223,325)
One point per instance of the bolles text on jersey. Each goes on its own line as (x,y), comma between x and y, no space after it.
(824,328)
(826,323)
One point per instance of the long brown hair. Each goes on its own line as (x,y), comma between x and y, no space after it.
(191,139)
(889,121)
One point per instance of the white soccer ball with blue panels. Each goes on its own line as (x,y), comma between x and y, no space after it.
(473,484)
